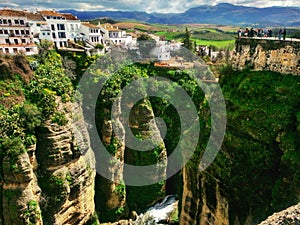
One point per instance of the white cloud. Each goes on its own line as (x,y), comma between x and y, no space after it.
(161,6)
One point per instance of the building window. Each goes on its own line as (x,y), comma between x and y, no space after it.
(16,41)
(4,21)
(1,31)
(5,31)
(22,32)
(53,35)
(52,27)
(61,34)
(17,32)
(22,22)
(0,21)
(27,32)
(48,17)
(9,21)
(7,41)
(60,27)
(23,41)
(6,50)
(27,49)
(15,50)
(16,21)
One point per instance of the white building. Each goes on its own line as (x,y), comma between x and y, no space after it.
(116,36)
(20,30)
(92,33)
(63,27)
(15,33)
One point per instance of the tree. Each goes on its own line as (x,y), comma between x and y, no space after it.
(187,42)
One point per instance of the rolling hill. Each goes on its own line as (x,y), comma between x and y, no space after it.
(223,13)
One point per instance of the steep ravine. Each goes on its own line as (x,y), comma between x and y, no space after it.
(46,180)
(256,172)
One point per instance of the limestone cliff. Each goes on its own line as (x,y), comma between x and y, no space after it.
(114,199)
(44,177)
(59,180)
(66,176)
(202,201)
(264,54)
(256,171)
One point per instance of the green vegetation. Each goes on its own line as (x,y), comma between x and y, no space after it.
(257,167)
(186,40)
(32,213)
(259,160)
(222,44)
(219,38)
(120,189)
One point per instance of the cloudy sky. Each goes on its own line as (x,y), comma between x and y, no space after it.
(162,6)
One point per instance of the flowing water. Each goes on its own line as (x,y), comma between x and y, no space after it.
(160,213)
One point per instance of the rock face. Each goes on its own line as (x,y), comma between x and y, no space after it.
(69,194)
(113,199)
(202,201)
(51,182)
(263,54)
(289,216)
(111,196)
(143,125)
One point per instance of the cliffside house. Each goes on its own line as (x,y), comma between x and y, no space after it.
(92,34)
(63,27)
(20,30)
(116,36)
(15,32)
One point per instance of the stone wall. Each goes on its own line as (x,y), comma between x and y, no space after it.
(266,54)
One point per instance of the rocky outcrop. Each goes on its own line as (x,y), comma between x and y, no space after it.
(65,176)
(264,54)
(143,125)
(202,201)
(21,193)
(110,195)
(51,182)
(290,216)
(114,199)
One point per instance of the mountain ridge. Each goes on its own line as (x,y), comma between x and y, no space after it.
(222,14)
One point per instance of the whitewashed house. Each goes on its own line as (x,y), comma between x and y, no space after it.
(15,33)
(63,27)
(73,25)
(116,36)
(93,34)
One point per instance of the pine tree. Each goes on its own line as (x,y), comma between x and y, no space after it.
(187,43)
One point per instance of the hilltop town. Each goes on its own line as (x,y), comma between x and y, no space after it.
(21,31)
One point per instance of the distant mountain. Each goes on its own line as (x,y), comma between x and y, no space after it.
(223,13)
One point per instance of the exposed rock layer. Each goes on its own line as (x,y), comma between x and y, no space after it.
(263,54)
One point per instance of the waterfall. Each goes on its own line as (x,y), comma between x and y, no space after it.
(160,213)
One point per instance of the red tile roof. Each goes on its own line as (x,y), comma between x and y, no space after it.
(11,12)
(110,27)
(34,16)
(69,16)
(49,13)
(87,24)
